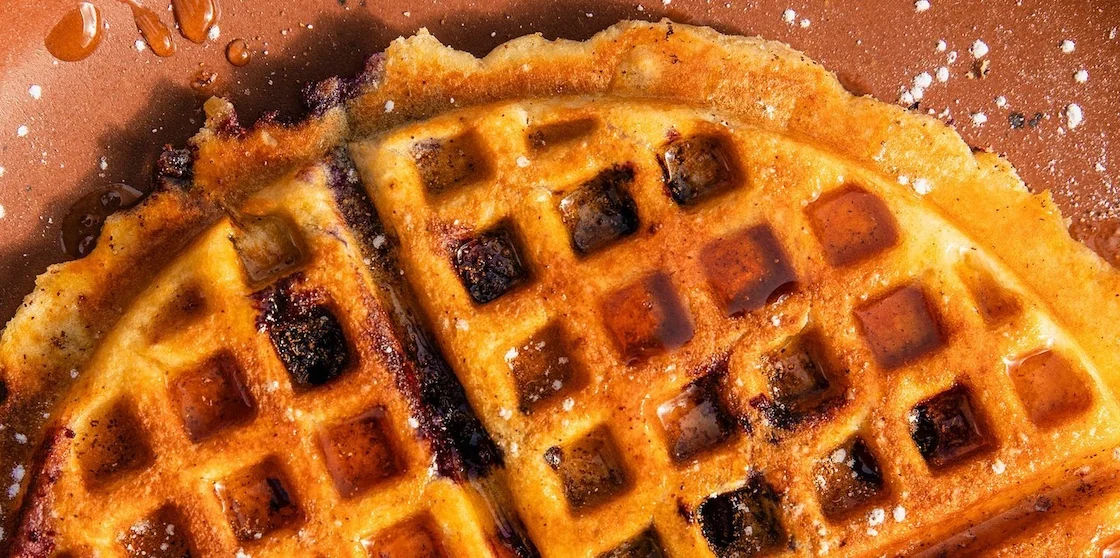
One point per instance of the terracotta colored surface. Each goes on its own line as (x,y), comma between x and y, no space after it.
(103,120)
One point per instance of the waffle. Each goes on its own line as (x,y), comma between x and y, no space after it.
(664,292)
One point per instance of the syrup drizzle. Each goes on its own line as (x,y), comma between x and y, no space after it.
(196,18)
(82,225)
(238,53)
(76,35)
(155,32)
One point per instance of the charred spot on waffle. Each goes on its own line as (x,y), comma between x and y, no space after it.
(697,419)
(174,169)
(162,533)
(335,91)
(258,500)
(212,396)
(416,537)
(600,211)
(490,263)
(847,478)
(357,210)
(112,443)
(646,544)
(307,336)
(445,164)
(3,391)
(743,522)
(802,383)
(698,168)
(590,469)
(359,452)
(948,429)
(559,133)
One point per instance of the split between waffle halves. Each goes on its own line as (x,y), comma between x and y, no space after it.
(664,292)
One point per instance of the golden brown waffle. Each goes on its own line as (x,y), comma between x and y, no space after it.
(661,293)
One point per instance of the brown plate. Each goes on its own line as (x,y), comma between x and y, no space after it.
(103,120)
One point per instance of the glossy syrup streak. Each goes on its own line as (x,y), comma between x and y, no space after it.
(463,449)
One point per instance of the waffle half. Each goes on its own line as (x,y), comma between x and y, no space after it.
(665,292)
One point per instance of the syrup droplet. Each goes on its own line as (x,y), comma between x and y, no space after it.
(196,17)
(205,82)
(155,33)
(77,34)
(82,225)
(238,53)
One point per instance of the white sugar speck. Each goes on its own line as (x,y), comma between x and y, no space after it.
(1067,46)
(214,33)
(1081,76)
(789,16)
(505,413)
(839,455)
(22,131)
(389,105)
(3,212)
(73,372)
(805,23)
(899,514)
(941,46)
(378,241)
(921,6)
(413,423)
(876,517)
(979,118)
(979,49)
(35,91)
(13,490)
(943,74)
(522,161)
(922,186)
(242,554)
(999,467)
(923,80)
(511,354)
(462,325)
(1074,116)
(569,403)
(1001,101)
(18,472)
(140,45)
(21,438)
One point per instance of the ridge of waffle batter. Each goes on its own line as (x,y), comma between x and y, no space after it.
(663,292)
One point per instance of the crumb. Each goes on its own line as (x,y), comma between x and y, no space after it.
(35,91)
(979,49)
(1081,76)
(789,16)
(1067,46)
(1074,116)
(921,6)
(979,118)
(389,105)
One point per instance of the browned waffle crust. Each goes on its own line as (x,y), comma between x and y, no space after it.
(664,292)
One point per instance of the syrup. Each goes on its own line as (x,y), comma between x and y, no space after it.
(205,82)
(238,53)
(196,18)
(83,223)
(155,33)
(76,35)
